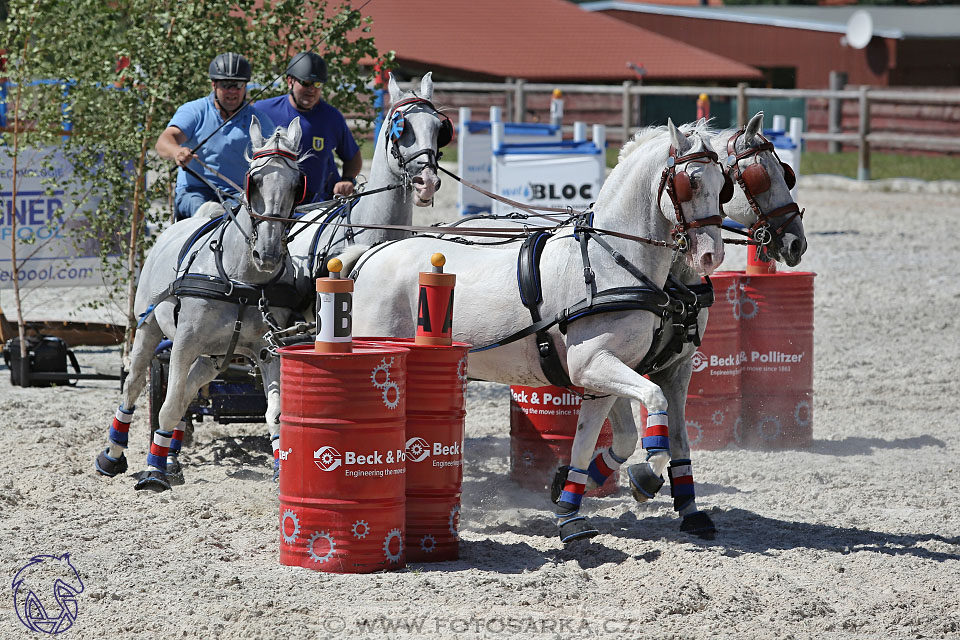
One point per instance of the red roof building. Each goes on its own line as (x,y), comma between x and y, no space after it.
(539,41)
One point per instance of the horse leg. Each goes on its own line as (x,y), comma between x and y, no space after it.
(112,461)
(180,390)
(270,374)
(674,381)
(572,525)
(605,463)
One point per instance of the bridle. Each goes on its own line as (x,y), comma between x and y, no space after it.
(678,187)
(755,180)
(397,124)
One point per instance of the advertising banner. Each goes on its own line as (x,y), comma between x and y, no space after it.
(46,252)
(547,177)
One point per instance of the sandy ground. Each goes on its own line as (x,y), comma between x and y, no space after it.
(857,536)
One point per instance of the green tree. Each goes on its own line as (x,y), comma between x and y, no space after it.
(127,65)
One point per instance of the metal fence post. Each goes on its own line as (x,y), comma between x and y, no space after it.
(626,110)
(741,105)
(863,160)
(519,102)
(838,80)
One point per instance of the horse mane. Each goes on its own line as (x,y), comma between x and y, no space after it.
(641,137)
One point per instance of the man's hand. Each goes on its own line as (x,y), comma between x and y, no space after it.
(184,156)
(343,188)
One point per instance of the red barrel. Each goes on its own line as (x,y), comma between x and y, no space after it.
(342,449)
(776,319)
(713,398)
(543,422)
(436,380)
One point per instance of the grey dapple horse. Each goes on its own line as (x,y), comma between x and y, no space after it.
(214,286)
(403,173)
(760,190)
(667,189)
(761,201)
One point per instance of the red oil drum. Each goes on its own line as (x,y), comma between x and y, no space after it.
(543,422)
(713,398)
(776,320)
(436,381)
(342,469)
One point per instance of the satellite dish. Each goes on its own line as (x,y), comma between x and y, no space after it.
(859,29)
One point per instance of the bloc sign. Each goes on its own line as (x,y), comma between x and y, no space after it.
(566,175)
(334,315)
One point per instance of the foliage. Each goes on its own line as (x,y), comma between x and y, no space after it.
(127,65)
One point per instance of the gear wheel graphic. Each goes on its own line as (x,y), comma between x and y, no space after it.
(748,307)
(283,526)
(428,543)
(769,428)
(384,366)
(462,370)
(391,404)
(737,430)
(694,432)
(416,450)
(732,294)
(717,417)
(313,539)
(326,459)
(801,413)
(393,557)
(454,521)
(360,529)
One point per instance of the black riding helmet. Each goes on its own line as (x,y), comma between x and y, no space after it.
(307,67)
(230,66)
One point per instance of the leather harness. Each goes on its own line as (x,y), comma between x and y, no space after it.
(677,305)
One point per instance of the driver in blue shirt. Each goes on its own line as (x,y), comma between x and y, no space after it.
(325,131)
(224,152)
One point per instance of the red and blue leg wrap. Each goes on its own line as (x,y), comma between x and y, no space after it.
(120,429)
(603,465)
(176,440)
(157,457)
(572,493)
(681,483)
(656,437)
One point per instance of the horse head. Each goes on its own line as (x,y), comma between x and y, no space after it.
(762,202)
(415,131)
(274,186)
(689,193)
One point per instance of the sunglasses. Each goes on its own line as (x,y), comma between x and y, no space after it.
(315,85)
(231,84)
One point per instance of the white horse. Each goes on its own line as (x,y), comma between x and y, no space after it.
(666,191)
(761,202)
(214,286)
(403,173)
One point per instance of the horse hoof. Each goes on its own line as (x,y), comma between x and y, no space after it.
(175,473)
(700,525)
(644,485)
(108,466)
(154,481)
(559,479)
(576,528)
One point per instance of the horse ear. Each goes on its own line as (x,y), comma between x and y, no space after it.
(394,89)
(754,127)
(256,136)
(677,139)
(426,86)
(294,132)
